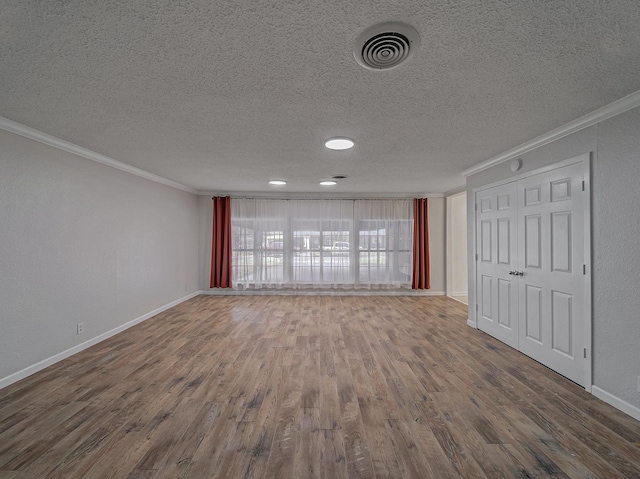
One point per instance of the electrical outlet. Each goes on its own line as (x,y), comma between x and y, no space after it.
(80,328)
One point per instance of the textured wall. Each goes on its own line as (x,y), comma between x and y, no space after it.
(437,243)
(458,244)
(615,232)
(205,225)
(616,283)
(83,242)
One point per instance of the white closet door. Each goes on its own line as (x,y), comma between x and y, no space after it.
(496,246)
(551,256)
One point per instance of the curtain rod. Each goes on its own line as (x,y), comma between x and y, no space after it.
(322,195)
(315,199)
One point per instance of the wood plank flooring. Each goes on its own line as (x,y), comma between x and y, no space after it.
(309,387)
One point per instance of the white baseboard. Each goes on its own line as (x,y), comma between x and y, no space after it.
(471,323)
(616,402)
(319,292)
(458,300)
(28,371)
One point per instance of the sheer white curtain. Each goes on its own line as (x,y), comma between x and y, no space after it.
(321,243)
(258,229)
(385,229)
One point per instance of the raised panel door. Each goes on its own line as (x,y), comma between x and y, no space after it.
(496,226)
(552,284)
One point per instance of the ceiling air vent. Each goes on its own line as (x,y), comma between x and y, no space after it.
(386,45)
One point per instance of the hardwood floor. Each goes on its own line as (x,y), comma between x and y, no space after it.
(305,387)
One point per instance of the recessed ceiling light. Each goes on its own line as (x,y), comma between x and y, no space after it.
(339,143)
(277,182)
(328,183)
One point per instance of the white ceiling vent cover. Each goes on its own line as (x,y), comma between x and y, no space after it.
(386,45)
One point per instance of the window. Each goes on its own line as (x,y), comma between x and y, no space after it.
(385,251)
(322,243)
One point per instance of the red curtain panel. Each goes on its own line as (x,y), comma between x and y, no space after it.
(421,278)
(221,243)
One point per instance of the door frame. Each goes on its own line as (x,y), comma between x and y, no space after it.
(585,160)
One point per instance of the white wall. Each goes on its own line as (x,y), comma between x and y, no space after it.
(616,257)
(437,239)
(615,144)
(457,271)
(83,242)
(437,244)
(205,226)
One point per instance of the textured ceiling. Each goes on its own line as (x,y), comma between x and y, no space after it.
(222,96)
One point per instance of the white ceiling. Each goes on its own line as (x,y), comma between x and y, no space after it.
(223,96)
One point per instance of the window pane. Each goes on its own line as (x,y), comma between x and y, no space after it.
(242,253)
(385,251)
(306,251)
(320,242)
(270,254)
(336,235)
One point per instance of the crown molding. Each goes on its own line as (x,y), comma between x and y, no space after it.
(50,140)
(612,109)
(456,191)
(33,134)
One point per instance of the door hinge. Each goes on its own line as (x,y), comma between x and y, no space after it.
(476,205)
(585,353)
(583,185)
(476,256)
(476,306)
(584,269)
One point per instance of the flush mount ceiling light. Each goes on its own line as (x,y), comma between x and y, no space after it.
(328,183)
(339,143)
(386,45)
(277,182)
